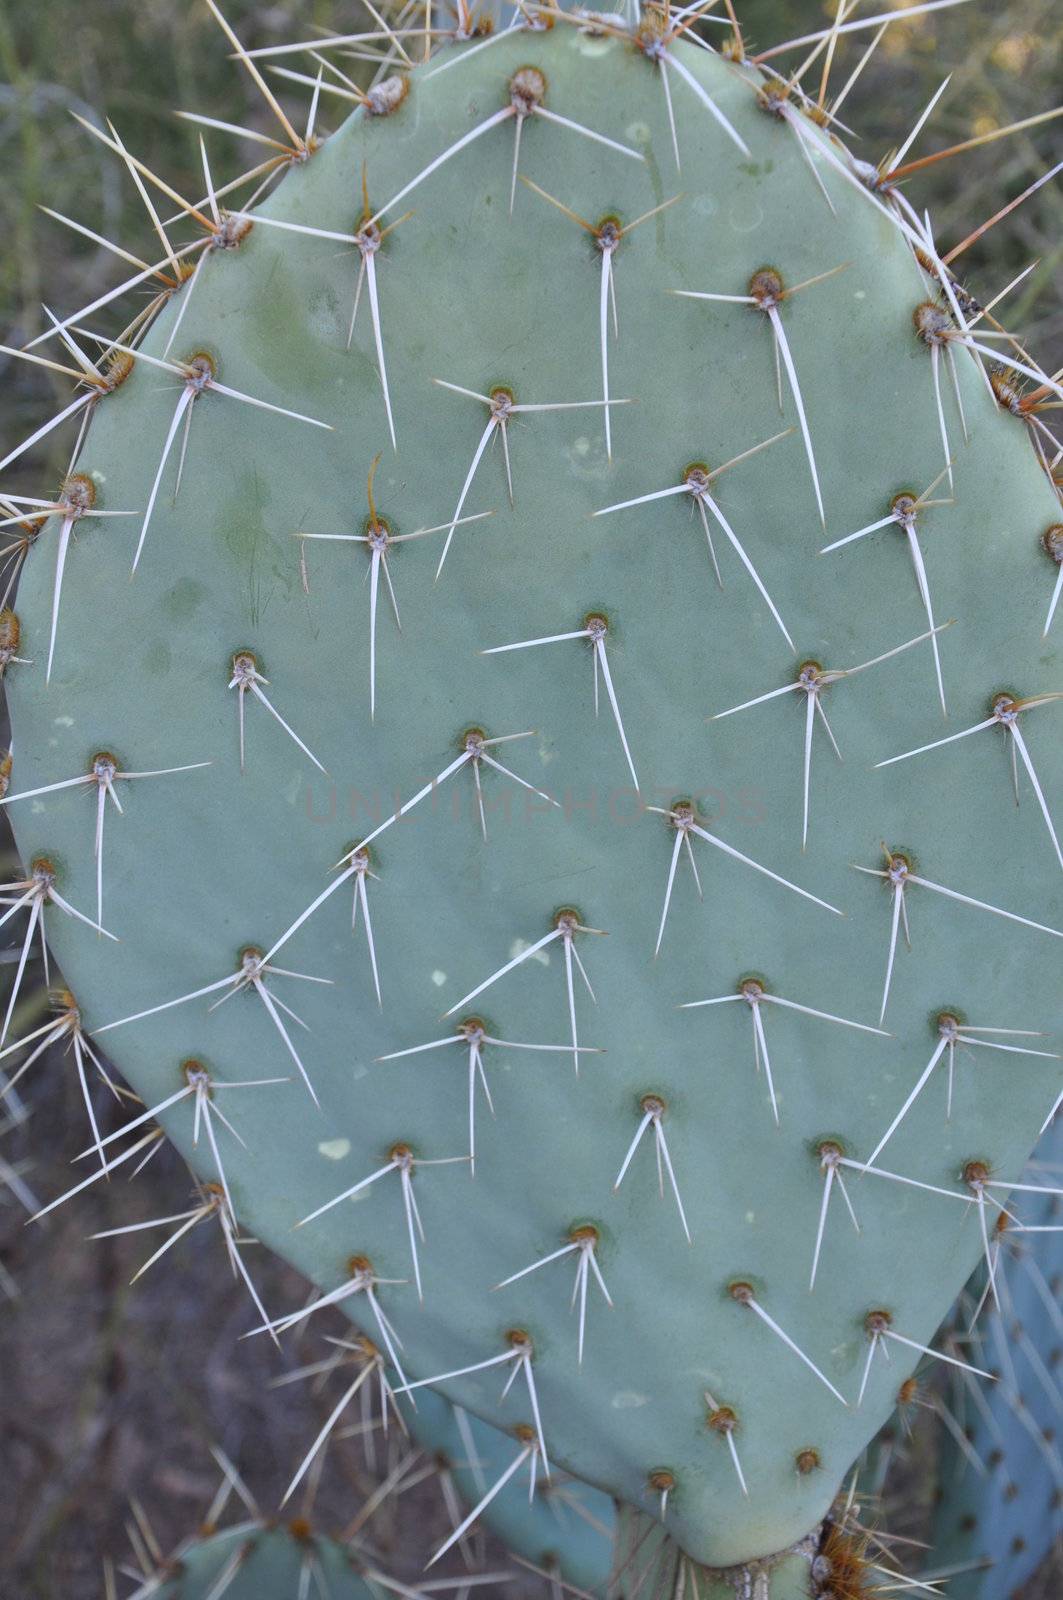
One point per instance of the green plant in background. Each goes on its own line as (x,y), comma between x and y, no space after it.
(256,1561)
(567,1532)
(999,1508)
(608,321)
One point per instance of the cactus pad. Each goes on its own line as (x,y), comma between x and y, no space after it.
(495,883)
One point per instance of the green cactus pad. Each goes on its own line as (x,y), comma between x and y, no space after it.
(257,1561)
(567,1529)
(1000,1511)
(205,864)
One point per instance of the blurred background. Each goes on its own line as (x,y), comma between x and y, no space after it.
(114,1394)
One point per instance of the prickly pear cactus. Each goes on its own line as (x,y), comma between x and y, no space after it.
(567,1530)
(260,1561)
(516,827)
(1000,1508)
